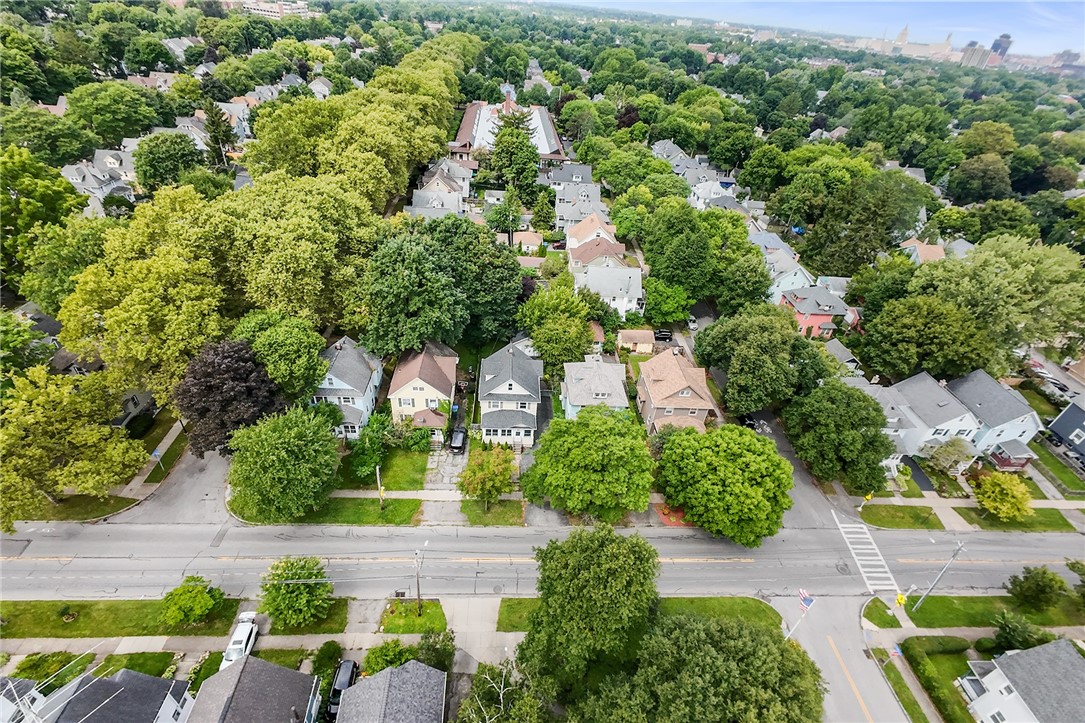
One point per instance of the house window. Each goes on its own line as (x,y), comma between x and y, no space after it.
(491,432)
(418,389)
(521,405)
(177,714)
(328,381)
(1077,436)
(684,393)
(600,395)
(527,432)
(693,412)
(517,433)
(431,403)
(668,411)
(997,717)
(1008,690)
(940,432)
(495,405)
(318,400)
(350,429)
(510,386)
(999,433)
(506,432)
(347,400)
(406,402)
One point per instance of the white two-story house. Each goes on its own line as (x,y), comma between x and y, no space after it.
(1045,684)
(937,416)
(509,393)
(1007,422)
(352,382)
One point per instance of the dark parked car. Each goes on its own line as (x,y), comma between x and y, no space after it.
(344,677)
(458,443)
(664,335)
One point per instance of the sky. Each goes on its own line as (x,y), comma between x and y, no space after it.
(1037,28)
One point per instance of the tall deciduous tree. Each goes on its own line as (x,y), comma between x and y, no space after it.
(295,591)
(190,602)
(288,348)
(729,481)
(113,110)
(54,140)
(55,434)
(663,303)
(597,464)
(20,348)
(1036,588)
(548,303)
(559,340)
(224,388)
(981,178)
(160,159)
(596,592)
(487,476)
(723,670)
(284,466)
(60,252)
(837,431)
(1006,496)
(515,160)
(30,193)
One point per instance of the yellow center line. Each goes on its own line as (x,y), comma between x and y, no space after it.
(851,681)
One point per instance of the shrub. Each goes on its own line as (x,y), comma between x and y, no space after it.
(389,654)
(325,662)
(944,696)
(986,645)
(437,650)
(190,602)
(291,603)
(417,441)
(1037,588)
(1017,633)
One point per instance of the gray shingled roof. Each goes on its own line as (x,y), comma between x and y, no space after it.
(351,363)
(565,172)
(991,402)
(411,693)
(510,364)
(841,352)
(508,419)
(815,300)
(767,240)
(15,688)
(583,380)
(252,690)
(1049,678)
(124,696)
(930,401)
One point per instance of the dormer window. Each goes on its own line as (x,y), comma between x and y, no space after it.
(600,395)
(684,393)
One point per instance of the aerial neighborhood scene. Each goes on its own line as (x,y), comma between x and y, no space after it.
(434,361)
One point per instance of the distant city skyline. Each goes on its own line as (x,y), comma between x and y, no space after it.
(1037,28)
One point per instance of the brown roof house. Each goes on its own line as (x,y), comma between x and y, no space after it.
(423,386)
(638,341)
(671,390)
(597,252)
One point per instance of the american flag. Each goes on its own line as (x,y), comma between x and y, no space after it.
(805,600)
(895,652)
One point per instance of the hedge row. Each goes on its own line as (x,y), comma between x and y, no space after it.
(943,693)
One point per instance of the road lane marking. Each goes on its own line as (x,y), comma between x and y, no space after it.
(961,561)
(851,681)
(872,566)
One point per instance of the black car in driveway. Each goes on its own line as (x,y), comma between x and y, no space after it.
(458,442)
(344,677)
(664,335)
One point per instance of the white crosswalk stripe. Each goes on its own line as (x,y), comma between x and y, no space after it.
(871,564)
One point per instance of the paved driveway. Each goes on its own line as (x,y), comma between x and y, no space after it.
(919,475)
(193,493)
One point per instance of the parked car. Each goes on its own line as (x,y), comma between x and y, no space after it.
(693,323)
(1058,385)
(241,641)
(558,246)
(458,443)
(344,677)
(664,335)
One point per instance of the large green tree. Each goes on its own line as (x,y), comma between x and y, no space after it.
(283,467)
(514,160)
(54,140)
(160,159)
(596,593)
(596,464)
(55,434)
(60,252)
(1006,496)
(729,481)
(288,348)
(112,110)
(290,602)
(723,670)
(663,303)
(981,178)
(487,476)
(30,193)
(837,431)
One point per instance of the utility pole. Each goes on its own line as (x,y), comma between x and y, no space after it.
(380,487)
(419,558)
(960,548)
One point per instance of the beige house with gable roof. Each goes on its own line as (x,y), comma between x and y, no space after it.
(672,390)
(423,386)
(591,227)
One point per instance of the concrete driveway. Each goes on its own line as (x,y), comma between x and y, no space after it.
(920,477)
(193,493)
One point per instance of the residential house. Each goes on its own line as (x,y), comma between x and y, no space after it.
(598,337)
(98,181)
(154,80)
(481,122)
(255,690)
(835,285)
(897,424)
(619,286)
(638,341)
(411,693)
(321,87)
(1007,422)
(768,242)
(593,381)
(787,274)
(59,109)
(123,696)
(353,379)
(814,309)
(436,204)
(916,173)
(597,252)
(576,201)
(668,150)
(921,253)
(178,46)
(1045,684)
(843,355)
(203,70)
(957,248)
(556,177)
(528,241)
(447,176)
(591,227)
(936,415)
(20,700)
(672,390)
(703,192)
(729,203)
(509,393)
(1070,426)
(423,387)
(237,114)
(698,173)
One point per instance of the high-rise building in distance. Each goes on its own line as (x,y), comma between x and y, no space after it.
(1001,45)
(975,56)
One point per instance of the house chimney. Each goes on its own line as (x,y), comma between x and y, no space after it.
(942,383)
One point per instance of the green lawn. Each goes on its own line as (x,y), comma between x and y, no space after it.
(714,390)
(746,608)
(899,517)
(163,423)
(169,458)
(75,508)
(512,617)
(949,667)
(1033,488)
(360,511)
(502,512)
(877,612)
(401,470)
(635,360)
(335,622)
(513,614)
(205,671)
(1039,405)
(286,657)
(1057,467)
(103,618)
(900,688)
(43,666)
(555,403)
(401,616)
(1041,521)
(911,489)
(471,356)
(978,611)
(152,664)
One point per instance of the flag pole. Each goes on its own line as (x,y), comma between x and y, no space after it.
(796,625)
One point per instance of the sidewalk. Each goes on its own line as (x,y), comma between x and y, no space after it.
(136,488)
